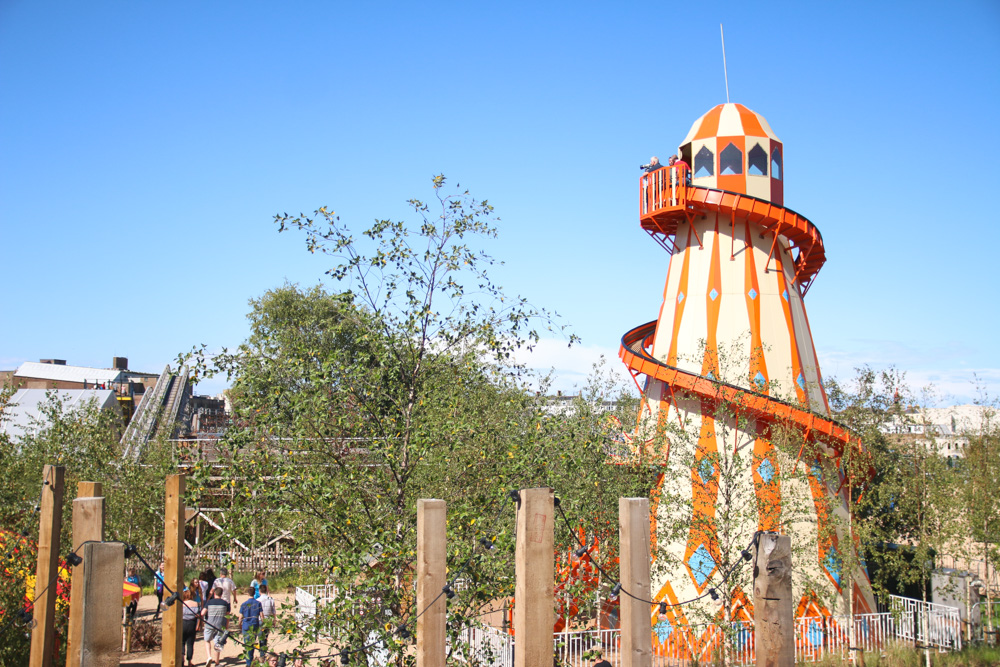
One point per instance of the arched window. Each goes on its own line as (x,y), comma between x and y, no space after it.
(776,164)
(704,163)
(757,161)
(731,160)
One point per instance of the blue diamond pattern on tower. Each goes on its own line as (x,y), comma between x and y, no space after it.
(752,294)
(680,297)
(663,630)
(832,566)
(766,471)
(801,381)
(701,565)
(713,295)
(706,470)
(759,380)
(814,634)
(784,295)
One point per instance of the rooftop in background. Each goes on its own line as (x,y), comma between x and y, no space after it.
(63,373)
(25,404)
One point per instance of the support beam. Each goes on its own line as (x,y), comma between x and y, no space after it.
(173,572)
(99,584)
(534,574)
(772,601)
(431,559)
(88,525)
(637,629)
(43,633)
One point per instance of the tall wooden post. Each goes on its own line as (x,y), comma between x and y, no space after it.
(431,559)
(772,601)
(88,525)
(534,579)
(100,642)
(46,576)
(173,570)
(637,629)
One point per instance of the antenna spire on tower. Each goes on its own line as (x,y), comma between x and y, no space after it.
(725,72)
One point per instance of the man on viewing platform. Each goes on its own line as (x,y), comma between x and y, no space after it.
(654,164)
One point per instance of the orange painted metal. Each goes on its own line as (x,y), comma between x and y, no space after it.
(667,200)
(765,409)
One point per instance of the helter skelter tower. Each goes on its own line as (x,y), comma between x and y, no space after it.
(740,265)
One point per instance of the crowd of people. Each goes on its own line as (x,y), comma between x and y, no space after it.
(210,603)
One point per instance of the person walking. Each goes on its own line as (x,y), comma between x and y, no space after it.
(208,579)
(250,613)
(214,616)
(133,606)
(158,587)
(259,580)
(195,588)
(189,626)
(268,614)
(228,587)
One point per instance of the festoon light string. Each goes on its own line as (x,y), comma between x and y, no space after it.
(745,554)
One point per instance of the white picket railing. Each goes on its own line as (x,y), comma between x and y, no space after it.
(909,621)
(817,637)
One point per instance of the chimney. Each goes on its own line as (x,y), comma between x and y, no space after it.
(119,363)
(54,362)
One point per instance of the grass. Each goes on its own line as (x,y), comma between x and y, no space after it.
(901,655)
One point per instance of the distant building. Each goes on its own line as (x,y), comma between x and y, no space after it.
(947,428)
(25,407)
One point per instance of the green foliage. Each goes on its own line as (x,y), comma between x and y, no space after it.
(86,441)
(351,405)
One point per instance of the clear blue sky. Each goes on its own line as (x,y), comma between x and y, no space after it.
(145,147)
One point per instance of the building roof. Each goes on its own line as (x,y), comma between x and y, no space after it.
(56,372)
(24,409)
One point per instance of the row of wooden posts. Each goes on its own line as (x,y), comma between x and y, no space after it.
(95,610)
(534,612)
(94,637)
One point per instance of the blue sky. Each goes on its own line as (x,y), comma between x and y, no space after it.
(145,147)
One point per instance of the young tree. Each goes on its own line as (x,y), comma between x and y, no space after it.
(351,405)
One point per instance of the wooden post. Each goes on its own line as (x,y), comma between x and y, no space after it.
(772,601)
(637,629)
(431,559)
(46,576)
(100,643)
(173,570)
(88,525)
(534,579)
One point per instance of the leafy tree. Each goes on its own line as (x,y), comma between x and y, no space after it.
(85,440)
(351,405)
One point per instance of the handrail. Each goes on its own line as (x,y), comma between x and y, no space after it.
(667,199)
(762,406)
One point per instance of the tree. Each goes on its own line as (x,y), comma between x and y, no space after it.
(86,441)
(351,405)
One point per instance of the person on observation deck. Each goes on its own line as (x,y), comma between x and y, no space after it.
(654,164)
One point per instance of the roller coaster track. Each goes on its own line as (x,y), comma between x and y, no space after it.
(767,410)
(157,411)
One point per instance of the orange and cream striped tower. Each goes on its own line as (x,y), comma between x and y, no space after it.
(732,330)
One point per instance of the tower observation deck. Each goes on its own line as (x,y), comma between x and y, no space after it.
(728,368)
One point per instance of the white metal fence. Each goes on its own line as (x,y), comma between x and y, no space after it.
(815,638)
(909,621)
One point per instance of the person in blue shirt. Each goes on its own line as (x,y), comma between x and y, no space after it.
(158,584)
(250,616)
(133,578)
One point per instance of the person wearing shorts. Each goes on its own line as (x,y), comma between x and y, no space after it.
(214,614)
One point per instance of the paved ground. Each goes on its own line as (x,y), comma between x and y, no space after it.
(232,651)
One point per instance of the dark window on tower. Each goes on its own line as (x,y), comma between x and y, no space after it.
(757,161)
(730,160)
(704,163)
(776,164)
